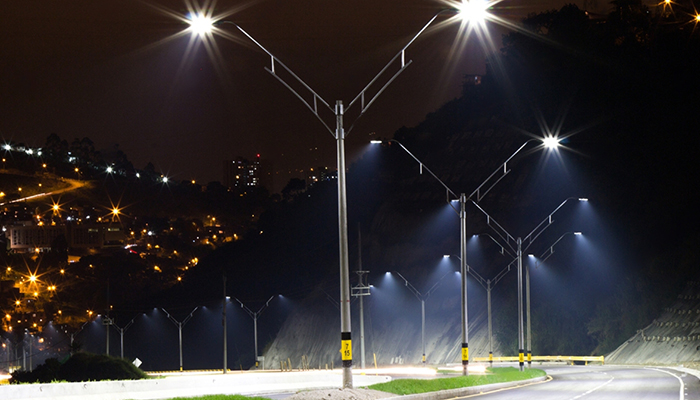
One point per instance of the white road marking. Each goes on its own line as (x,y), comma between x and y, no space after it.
(682,390)
(594,389)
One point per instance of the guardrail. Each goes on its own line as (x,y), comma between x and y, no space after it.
(586,359)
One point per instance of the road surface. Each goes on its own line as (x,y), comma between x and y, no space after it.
(605,382)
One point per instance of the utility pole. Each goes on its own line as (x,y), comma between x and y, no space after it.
(223,322)
(361,290)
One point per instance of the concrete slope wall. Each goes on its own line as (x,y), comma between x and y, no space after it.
(672,338)
(313,331)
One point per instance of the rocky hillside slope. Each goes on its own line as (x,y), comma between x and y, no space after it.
(672,338)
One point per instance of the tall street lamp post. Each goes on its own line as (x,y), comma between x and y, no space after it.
(422,297)
(203,25)
(516,245)
(121,334)
(254,315)
(179,325)
(545,256)
(224,300)
(488,284)
(360,291)
(476,196)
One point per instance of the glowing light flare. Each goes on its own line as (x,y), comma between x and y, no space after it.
(474,11)
(551,142)
(200,24)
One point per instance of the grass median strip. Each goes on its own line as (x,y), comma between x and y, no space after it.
(414,386)
(492,375)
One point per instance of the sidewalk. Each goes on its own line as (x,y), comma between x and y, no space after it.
(186,385)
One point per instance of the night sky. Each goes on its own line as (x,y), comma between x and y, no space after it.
(121,73)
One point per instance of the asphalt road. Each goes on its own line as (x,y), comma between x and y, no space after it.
(605,382)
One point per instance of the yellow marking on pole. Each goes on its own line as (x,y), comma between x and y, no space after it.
(465,353)
(346,350)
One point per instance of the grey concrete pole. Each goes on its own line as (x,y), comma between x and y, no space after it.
(362,333)
(223,322)
(362,307)
(345,329)
(463,256)
(422,314)
(521,358)
(179,332)
(255,333)
(488,302)
(527,302)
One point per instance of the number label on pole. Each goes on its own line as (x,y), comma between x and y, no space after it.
(465,353)
(346,350)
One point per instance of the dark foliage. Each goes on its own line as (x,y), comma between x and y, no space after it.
(80,367)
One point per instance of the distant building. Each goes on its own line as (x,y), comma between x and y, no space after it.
(39,238)
(241,174)
(30,238)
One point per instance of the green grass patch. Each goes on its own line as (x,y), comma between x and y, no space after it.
(492,375)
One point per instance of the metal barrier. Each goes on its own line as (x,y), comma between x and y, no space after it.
(586,359)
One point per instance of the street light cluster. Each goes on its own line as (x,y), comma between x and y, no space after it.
(473,14)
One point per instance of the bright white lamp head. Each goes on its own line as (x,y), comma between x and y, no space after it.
(551,142)
(200,24)
(475,11)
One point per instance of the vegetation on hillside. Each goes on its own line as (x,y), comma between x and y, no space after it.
(80,367)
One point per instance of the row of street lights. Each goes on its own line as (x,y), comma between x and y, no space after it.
(475,197)
(471,12)
(516,250)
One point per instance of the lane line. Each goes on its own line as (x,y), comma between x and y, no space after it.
(548,379)
(680,394)
(594,389)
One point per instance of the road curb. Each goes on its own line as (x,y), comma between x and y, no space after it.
(452,393)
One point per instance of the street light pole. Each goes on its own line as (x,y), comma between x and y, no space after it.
(121,334)
(521,345)
(478,194)
(488,284)
(223,323)
(542,259)
(179,328)
(516,245)
(464,269)
(422,298)
(488,306)
(361,290)
(345,319)
(527,315)
(254,315)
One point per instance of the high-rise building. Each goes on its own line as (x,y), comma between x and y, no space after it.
(241,174)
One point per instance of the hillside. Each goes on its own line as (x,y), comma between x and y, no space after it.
(672,338)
